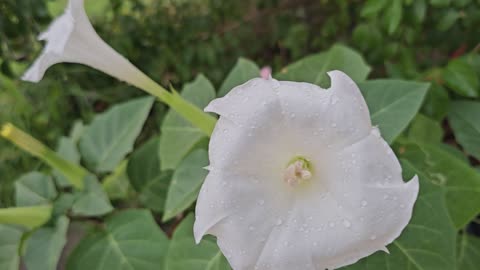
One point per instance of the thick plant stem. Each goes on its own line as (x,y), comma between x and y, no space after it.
(74,173)
(187,110)
(30,217)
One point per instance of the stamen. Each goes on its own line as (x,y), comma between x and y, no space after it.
(297,172)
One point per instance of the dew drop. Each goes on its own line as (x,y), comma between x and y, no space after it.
(331,224)
(402,206)
(364,203)
(347,223)
(315,244)
(279,222)
(261,202)
(251,228)
(334,125)
(373,237)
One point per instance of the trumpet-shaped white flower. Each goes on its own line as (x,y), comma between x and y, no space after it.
(299,178)
(71,38)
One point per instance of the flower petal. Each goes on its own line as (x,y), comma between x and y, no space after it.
(72,39)
(224,208)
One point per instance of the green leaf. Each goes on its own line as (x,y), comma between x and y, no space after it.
(243,71)
(67,149)
(111,135)
(34,188)
(428,241)
(440,3)
(92,201)
(424,129)
(437,102)
(186,183)
(29,217)
(130,240)
(10,239)
(144,164)
(419,10)
(461,182)
(468,252)
(393,104)
(372,7)
(448,20)
(147,178)
(116,185)
(45,245)
(154,194)
(393,15)
(460,76)
(464,118)
(179,137)
(313,68)
(184,254)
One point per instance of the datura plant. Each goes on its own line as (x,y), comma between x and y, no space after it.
(302,171)
(296,176)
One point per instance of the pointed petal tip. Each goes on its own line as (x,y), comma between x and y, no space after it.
(196,234)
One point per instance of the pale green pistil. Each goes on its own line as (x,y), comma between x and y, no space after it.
(298,171)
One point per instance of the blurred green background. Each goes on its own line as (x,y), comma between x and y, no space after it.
(173,40)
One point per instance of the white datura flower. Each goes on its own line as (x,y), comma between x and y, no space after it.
(299,178)
(71,38)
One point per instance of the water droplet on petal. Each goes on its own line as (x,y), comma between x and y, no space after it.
(347,223)
(331,224)
(251,228)
(279,222)
(373,237)
(364,203)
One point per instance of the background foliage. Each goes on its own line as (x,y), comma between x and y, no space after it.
(421,59)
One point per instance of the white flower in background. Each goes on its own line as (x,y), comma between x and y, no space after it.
(71,38)
(299,178)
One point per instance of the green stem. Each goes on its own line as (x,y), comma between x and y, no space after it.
(30,217)
(204,121)
(74,173)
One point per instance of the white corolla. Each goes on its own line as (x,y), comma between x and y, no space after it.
(299,178)
(71,38)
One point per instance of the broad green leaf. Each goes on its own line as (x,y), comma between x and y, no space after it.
(179,137)
(154,194)
(111,135)
(92,201)
(34,188)
(45,245)
(129,240)
(464,118)
(461,182)
(186,182)
(184,254)
(428,241)
(144,164)
(424,129)
(10,239)
(146,177)
(393,104)
(314,68)
(67,149)
(460,76)
(468,252)
(116,185)
(243,71)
